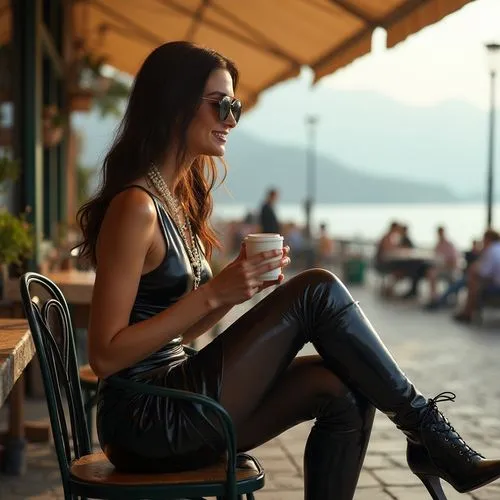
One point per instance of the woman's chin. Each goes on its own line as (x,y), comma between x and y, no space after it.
(217,150)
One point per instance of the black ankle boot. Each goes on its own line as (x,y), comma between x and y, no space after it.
(333,458)
(436,450)
(348,343)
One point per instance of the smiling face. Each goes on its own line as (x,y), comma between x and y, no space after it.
(207,135)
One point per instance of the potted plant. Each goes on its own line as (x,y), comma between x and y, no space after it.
(16,236)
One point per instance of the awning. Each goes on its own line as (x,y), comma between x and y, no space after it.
(268,39)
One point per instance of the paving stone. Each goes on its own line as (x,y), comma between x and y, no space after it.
(396,477)
(279,495)
(367,479)
(490,492)
(373,461)
(420,493)
(372,494)
(284,482)
(274,465)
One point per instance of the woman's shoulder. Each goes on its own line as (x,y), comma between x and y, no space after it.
(133,202)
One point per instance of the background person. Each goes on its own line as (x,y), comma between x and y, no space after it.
(268,219)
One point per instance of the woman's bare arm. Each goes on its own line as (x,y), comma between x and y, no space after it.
(125,240)
(205,324)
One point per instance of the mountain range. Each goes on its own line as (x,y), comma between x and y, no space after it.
(369,148)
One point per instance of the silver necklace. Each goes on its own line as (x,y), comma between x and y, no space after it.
(174,207)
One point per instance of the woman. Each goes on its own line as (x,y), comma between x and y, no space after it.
(147,233)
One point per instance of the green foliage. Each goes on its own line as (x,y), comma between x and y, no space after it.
(16,238)
(16,235)
(9,170)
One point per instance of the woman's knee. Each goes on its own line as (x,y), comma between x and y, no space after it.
(318,280)
(320,289)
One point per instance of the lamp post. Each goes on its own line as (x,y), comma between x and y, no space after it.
(493,50)
(311,122)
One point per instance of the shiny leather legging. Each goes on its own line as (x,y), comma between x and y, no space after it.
(267,389)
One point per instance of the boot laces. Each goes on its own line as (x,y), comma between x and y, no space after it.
(437,422)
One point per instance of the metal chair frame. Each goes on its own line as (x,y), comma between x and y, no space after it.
(58,362)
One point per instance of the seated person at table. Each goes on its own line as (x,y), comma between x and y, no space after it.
(325,248)
(470,257)
(444,268)
(483,277)
(389,242)
(406,241)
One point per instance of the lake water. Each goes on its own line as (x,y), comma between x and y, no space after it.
(463,222)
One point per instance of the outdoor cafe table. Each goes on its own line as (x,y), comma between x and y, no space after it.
(408,259)
(16,351)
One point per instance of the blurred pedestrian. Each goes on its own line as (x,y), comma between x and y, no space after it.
(268,219)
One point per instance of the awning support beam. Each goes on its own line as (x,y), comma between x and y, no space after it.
(197,18)
(271,49)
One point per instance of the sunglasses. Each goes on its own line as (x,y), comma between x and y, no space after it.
(226,105)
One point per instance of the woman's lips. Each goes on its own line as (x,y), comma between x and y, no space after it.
(220,136)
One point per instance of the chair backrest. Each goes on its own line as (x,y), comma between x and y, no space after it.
(49,319)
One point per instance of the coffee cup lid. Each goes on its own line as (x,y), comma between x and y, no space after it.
(264,236)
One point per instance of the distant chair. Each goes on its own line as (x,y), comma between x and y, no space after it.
(87,474)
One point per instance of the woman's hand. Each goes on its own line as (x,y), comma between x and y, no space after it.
(239,280)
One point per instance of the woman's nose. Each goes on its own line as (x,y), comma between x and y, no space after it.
(230,121)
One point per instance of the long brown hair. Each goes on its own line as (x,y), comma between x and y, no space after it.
(165,97)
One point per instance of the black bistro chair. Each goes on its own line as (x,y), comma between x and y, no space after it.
(87,474)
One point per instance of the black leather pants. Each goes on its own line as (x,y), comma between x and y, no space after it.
(267,390)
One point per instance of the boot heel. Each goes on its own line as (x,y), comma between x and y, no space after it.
(433,485)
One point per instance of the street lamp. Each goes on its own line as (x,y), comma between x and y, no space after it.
(311,122)
(493,51)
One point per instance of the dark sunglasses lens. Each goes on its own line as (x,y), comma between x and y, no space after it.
(224,108)
(227,105)
(236,110)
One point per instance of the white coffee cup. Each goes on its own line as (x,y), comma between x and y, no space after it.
(263,242)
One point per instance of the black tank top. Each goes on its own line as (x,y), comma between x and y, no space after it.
(163,286)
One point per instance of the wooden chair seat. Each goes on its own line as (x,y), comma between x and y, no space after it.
(87,375)
(97,469)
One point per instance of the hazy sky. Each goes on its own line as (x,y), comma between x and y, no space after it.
(444,61)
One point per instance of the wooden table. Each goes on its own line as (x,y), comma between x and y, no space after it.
(16,351)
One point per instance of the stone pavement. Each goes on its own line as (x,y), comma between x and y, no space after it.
(437,354)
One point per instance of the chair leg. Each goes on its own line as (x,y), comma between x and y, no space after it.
(250,496)
(89,401)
